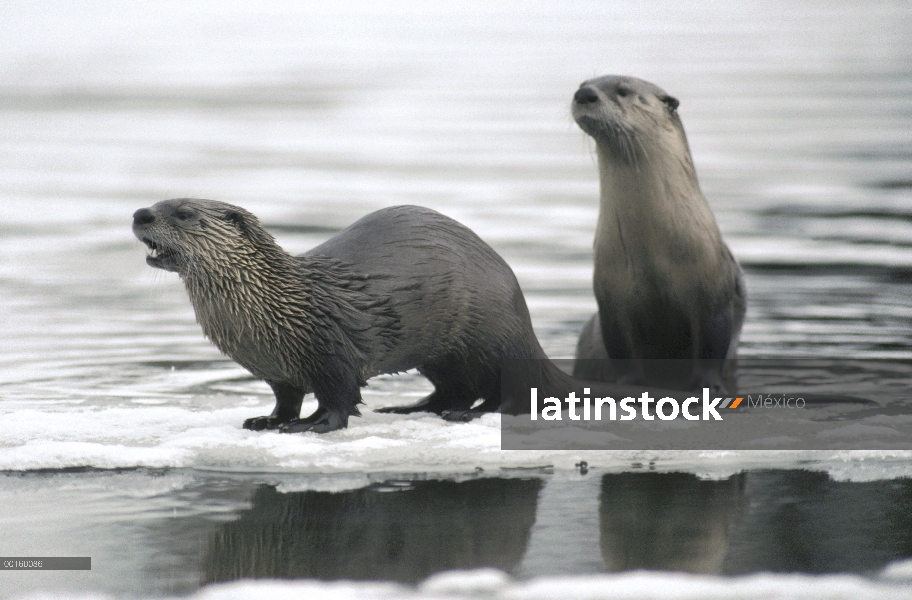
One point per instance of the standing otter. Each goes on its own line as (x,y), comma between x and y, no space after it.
(402,288)
(666,284)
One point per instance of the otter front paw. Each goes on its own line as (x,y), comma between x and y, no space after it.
(261,423)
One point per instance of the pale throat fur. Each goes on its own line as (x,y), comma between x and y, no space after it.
(247,299)
(652,192)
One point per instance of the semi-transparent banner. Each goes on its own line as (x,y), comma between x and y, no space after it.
(756,404)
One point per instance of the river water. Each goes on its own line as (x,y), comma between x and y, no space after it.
(120,432)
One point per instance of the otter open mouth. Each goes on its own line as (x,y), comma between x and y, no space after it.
(159,256)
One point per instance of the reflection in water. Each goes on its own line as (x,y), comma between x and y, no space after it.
(144,529)
(805,521)
(775,520)
(783,521)
(403,533)
(670,521)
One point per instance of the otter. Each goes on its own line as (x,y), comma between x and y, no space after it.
(666,285)
(404,287)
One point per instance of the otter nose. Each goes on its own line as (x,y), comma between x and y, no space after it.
(585,95)
(143,216)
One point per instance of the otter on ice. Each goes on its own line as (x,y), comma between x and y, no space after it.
(666,285)
(402,288)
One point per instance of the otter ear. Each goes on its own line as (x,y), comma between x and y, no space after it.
(248,225)
(241,221)
(671,102)
(233,216)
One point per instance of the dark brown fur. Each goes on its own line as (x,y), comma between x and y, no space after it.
(402,288)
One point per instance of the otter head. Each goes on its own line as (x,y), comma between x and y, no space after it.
(183,234)
(629,118)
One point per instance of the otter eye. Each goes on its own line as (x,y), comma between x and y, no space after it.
(183,215)
(623,92)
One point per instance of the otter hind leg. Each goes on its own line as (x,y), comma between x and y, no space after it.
(491,404)
(488,388)
(436,402)
(287,408)
(450,393)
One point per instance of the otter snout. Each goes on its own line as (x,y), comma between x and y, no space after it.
(585,95)
(143,216)
(153,232)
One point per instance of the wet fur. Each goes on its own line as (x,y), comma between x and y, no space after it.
(666,284)
(404,287)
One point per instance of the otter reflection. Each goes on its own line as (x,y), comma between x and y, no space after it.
(807,521)
(380,532)
(770,520)
(672,521)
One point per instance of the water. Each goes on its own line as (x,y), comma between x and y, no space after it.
(168,532)
(798,115)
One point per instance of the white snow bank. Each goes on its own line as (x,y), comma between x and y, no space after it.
(59,435)
(494,585)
